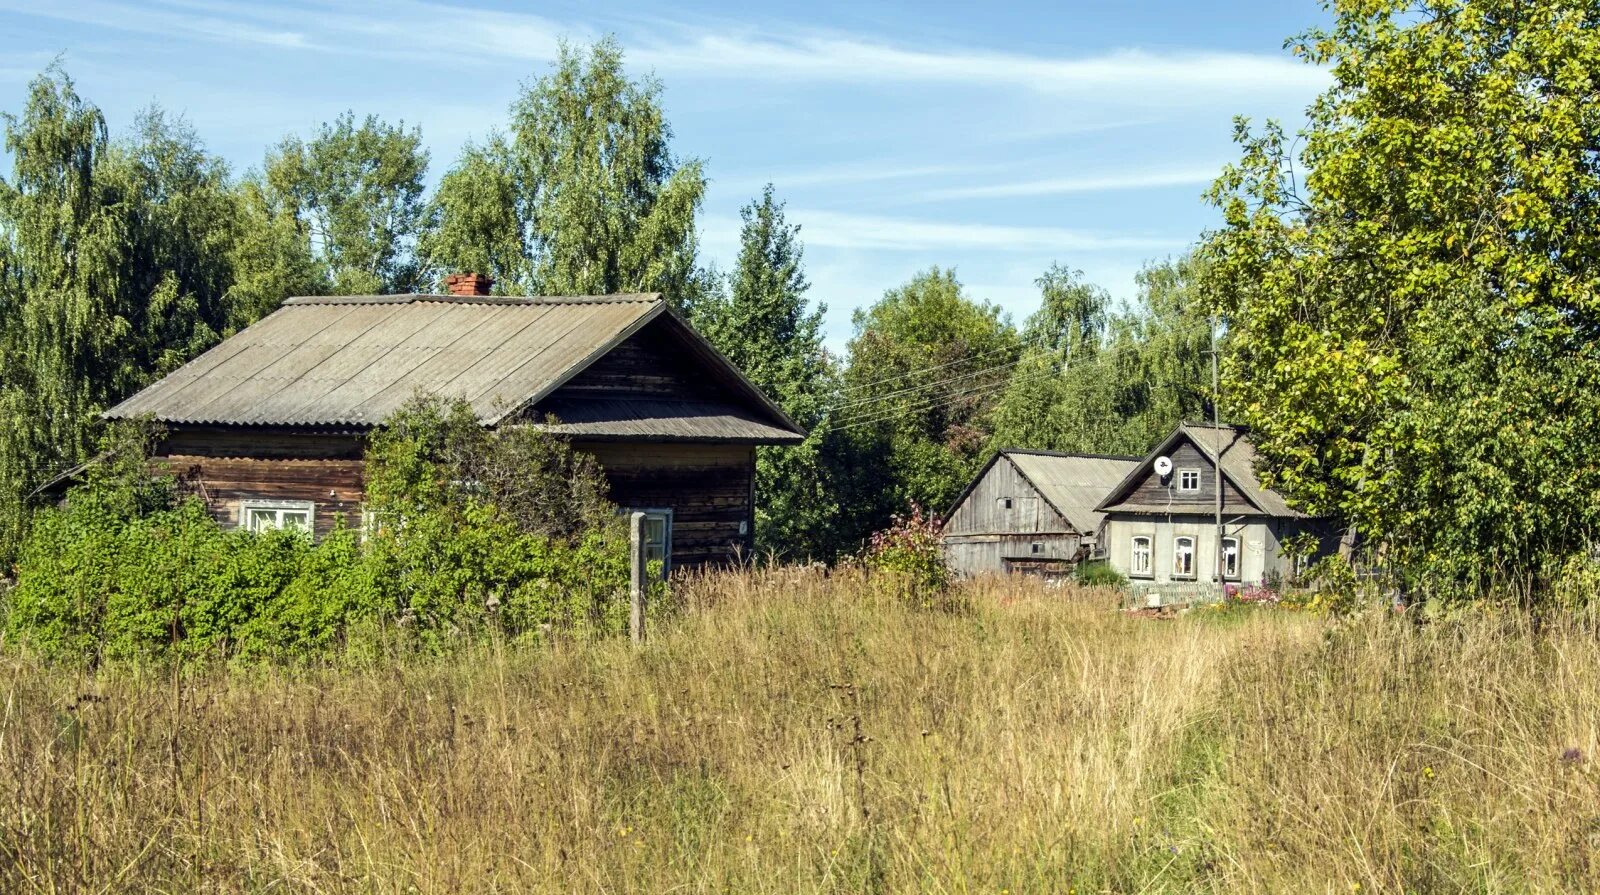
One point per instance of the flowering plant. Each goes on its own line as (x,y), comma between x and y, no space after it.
(911,552)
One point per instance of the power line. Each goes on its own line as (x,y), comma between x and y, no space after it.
(930,402)
(928,385)
(1023,344)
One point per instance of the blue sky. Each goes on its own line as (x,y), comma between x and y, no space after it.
(902,135)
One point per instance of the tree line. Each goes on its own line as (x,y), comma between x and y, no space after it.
(1405,291)
(125,256)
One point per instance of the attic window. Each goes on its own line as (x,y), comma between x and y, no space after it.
(1189,480)
(1005,503)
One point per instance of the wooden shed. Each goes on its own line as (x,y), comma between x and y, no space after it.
(1031,512)
(270,425)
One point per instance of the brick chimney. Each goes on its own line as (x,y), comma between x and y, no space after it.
(468,284)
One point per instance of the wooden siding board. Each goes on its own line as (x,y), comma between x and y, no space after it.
(984,512)
(1151,491)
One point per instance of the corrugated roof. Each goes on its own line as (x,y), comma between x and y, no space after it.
(1073,483)
(354,360)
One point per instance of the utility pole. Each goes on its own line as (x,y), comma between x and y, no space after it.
(1216,431)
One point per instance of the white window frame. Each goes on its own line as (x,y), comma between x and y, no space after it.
(665,515)
(1149,570)
(252,505)
(1179,551)
(1184,474)
(1233,573)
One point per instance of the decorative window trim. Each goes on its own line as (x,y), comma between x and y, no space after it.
(251,505)
(1238,558)
(1183,474)
(1176,552)
(1150,556)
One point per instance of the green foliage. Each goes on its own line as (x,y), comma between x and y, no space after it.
(1414,321)
(1099,573)
(116,265)
(906,436)
(1102,381)
(765,326)
(357,190)
(506,532)
(908,556)
(582,197)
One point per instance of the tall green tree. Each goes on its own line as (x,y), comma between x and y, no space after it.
(1415,305)
(358,190)
(765,325)
(582,195)
(925,368)
(1110,381)
(114,268)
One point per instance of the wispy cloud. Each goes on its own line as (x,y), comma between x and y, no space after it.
(855,60)
(701,50)
(850,173)
(835,229)
(1085,183)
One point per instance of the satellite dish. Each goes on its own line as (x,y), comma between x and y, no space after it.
(1163,466)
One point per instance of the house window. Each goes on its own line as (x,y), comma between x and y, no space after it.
(657,536)
(1189,480)
(1005,503)
(1140,564)
(1036,547)
(1183,557)
(1230,558)
(267,515)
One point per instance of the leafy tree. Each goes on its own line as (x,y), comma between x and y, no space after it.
(582,197)
(1100,381)
(925,367)
(1415,306)
(766,327)
(358,190)
(114,268)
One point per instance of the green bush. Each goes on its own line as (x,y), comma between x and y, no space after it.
(908,557)
(479,532)
(1098,572)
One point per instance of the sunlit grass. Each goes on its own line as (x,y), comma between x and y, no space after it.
(794,732)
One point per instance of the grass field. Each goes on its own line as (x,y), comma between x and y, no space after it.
(791,732)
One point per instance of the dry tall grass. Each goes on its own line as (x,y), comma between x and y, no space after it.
(788,732)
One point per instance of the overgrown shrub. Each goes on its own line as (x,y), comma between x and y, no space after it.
(908,557)
(1099,573)
(477,531)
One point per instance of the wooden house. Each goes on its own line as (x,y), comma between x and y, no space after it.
(1031,511)
(270,425)
(1160,527)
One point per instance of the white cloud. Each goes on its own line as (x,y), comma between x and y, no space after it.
(448,34)
(1193,175)
(851,173)
(1184,74)
(861,231)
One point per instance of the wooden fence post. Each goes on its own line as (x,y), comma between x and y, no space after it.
(640,572)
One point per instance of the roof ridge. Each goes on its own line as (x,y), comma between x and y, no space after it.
(432,298)
(1040,452)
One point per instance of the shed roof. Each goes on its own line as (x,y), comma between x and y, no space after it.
(1073,484)
(354,360)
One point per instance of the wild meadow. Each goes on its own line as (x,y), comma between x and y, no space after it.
(799,731)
